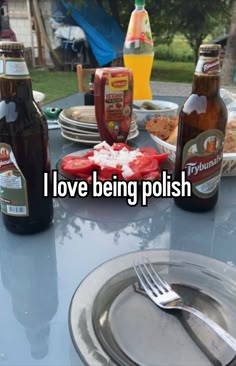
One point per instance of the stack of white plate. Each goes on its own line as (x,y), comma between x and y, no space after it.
(79,124)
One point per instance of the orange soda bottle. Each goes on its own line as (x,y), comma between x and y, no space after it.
(138,51)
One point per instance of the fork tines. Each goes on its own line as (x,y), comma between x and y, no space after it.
(148,276)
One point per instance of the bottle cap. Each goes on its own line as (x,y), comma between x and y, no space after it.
(139,2)
(210,47)
(11,45)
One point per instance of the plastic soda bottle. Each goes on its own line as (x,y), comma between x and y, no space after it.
(138,51)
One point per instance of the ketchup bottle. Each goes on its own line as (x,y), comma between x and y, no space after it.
(113,96)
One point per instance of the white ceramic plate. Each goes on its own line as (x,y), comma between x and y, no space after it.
(166,109)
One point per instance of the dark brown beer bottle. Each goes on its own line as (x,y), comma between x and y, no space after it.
(89,95)
(24,150)
(202,121)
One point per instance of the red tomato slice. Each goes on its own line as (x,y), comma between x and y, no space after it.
(152,152)
(101,178)
(107,172)
(144,164)
(66,159)
(89,179)
(151,176)
(135,176)
(148,151)
(88,154)
(79,165)
(161,158)
(117,146)
(82,176)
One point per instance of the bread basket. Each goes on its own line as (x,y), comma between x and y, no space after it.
(229,159)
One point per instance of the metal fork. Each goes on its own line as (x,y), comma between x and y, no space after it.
(161,293)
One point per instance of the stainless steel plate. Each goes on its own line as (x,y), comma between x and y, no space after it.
(111,323)
(83,116)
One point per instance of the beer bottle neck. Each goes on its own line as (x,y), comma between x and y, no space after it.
(206,85)
(206,79)
(15,82)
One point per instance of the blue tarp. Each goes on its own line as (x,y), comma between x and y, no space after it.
(104,35)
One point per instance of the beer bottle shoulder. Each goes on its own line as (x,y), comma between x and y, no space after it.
(21,117)
(204,111)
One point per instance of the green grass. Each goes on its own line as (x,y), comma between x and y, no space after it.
(178,50)
(55,84)
(58,84)
(172,71)
(171,65)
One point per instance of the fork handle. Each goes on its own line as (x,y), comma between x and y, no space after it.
(231,341)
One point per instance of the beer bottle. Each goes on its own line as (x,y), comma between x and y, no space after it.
(89,95)
(202,122)
(24,150)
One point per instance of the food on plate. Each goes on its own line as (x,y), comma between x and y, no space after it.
(83,114)
(150,106)
(230,136)
(119,159)
(161,126)
(166,128)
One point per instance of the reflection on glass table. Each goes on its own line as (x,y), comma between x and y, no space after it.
(40,273)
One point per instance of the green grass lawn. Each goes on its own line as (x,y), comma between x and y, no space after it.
(57,84)
(54,84)
(173,71)
(166,67)
(178,50)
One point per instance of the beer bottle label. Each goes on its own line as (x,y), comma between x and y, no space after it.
(11,67)
(202,161)
(13,188)
(207,66)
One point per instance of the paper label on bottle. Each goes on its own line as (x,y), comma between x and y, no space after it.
(207,66)
(13,187)
(1,67)
(139,30)
(13,68)
(202,161)
(117,108)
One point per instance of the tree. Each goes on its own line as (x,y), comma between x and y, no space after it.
(230,54)
(194,19)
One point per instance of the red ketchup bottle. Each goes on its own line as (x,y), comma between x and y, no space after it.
(113,96)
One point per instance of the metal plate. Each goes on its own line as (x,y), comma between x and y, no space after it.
(91,140)
(113,324)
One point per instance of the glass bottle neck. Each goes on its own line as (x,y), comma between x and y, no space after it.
(139,7)
(206,79)
(91,86)
(206,85)
(15,75)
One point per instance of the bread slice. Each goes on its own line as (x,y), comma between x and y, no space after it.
(161,126)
